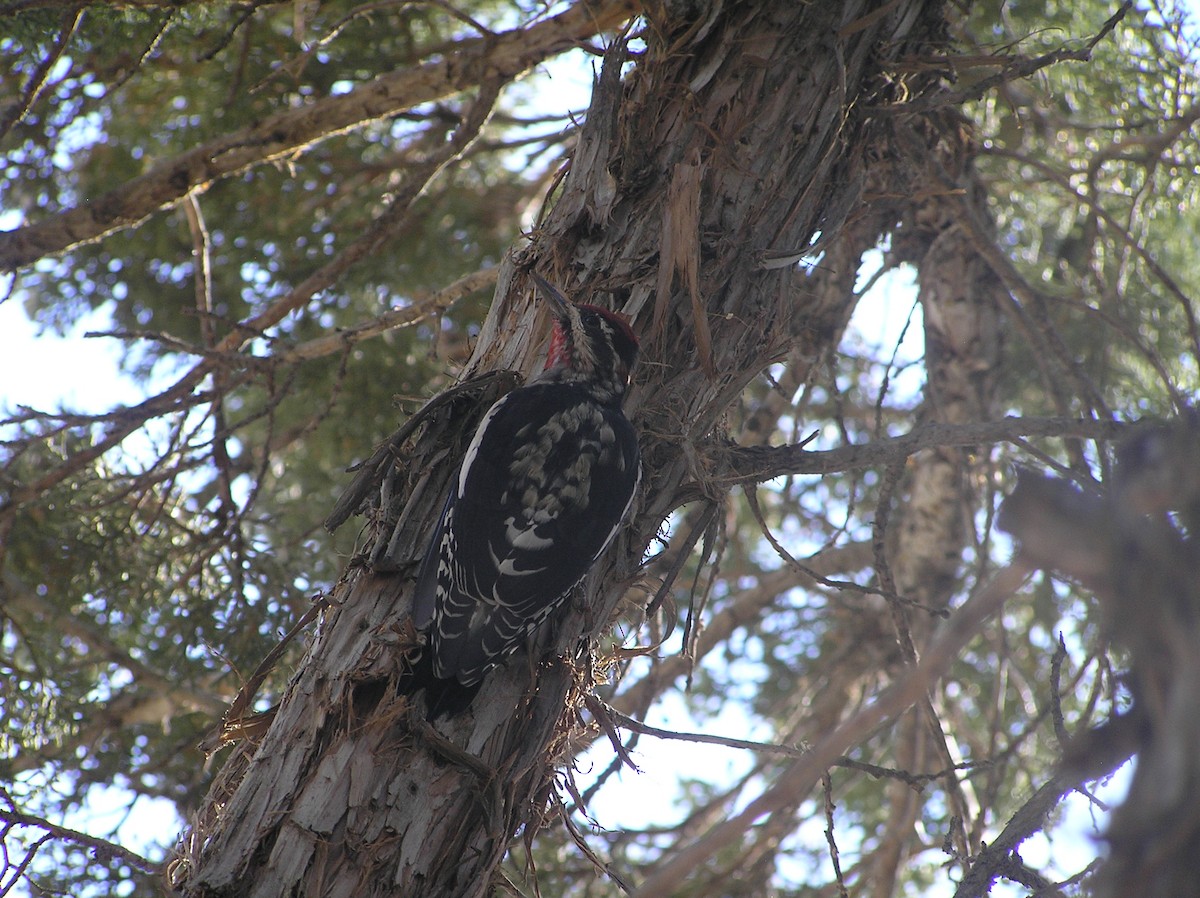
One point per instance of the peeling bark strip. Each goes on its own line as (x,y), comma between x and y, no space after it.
(761,113)
(499,57)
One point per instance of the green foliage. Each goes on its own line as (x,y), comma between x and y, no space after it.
(115,603)
(1108,195)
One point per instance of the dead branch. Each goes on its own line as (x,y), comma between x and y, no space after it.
(420,309)
(757,464)
(646,729)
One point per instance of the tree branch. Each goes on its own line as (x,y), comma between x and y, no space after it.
(404,316)
(101,848)
(991,862)
(756,464)
(474,62)
(380,229)
(624,720)
(422,307)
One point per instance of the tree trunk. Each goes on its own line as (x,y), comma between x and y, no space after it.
(930,530)
(697,186)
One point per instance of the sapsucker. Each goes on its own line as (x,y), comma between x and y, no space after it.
(547,480)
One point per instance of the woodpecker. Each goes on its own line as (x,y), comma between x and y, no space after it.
(546,483)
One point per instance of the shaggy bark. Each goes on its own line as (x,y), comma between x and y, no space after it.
(697,185)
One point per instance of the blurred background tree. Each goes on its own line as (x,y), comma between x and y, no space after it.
(291,215)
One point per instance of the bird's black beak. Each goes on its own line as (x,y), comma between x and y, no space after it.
(550,293)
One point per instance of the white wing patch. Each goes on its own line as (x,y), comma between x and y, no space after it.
(508,569)
(525,536)
(473,449)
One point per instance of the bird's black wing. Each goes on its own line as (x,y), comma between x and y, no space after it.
(543,489)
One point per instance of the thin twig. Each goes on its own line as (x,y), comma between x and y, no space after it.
(419,310)
(645,729)
(834,856)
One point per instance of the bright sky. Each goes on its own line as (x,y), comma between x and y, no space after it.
(48,371)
